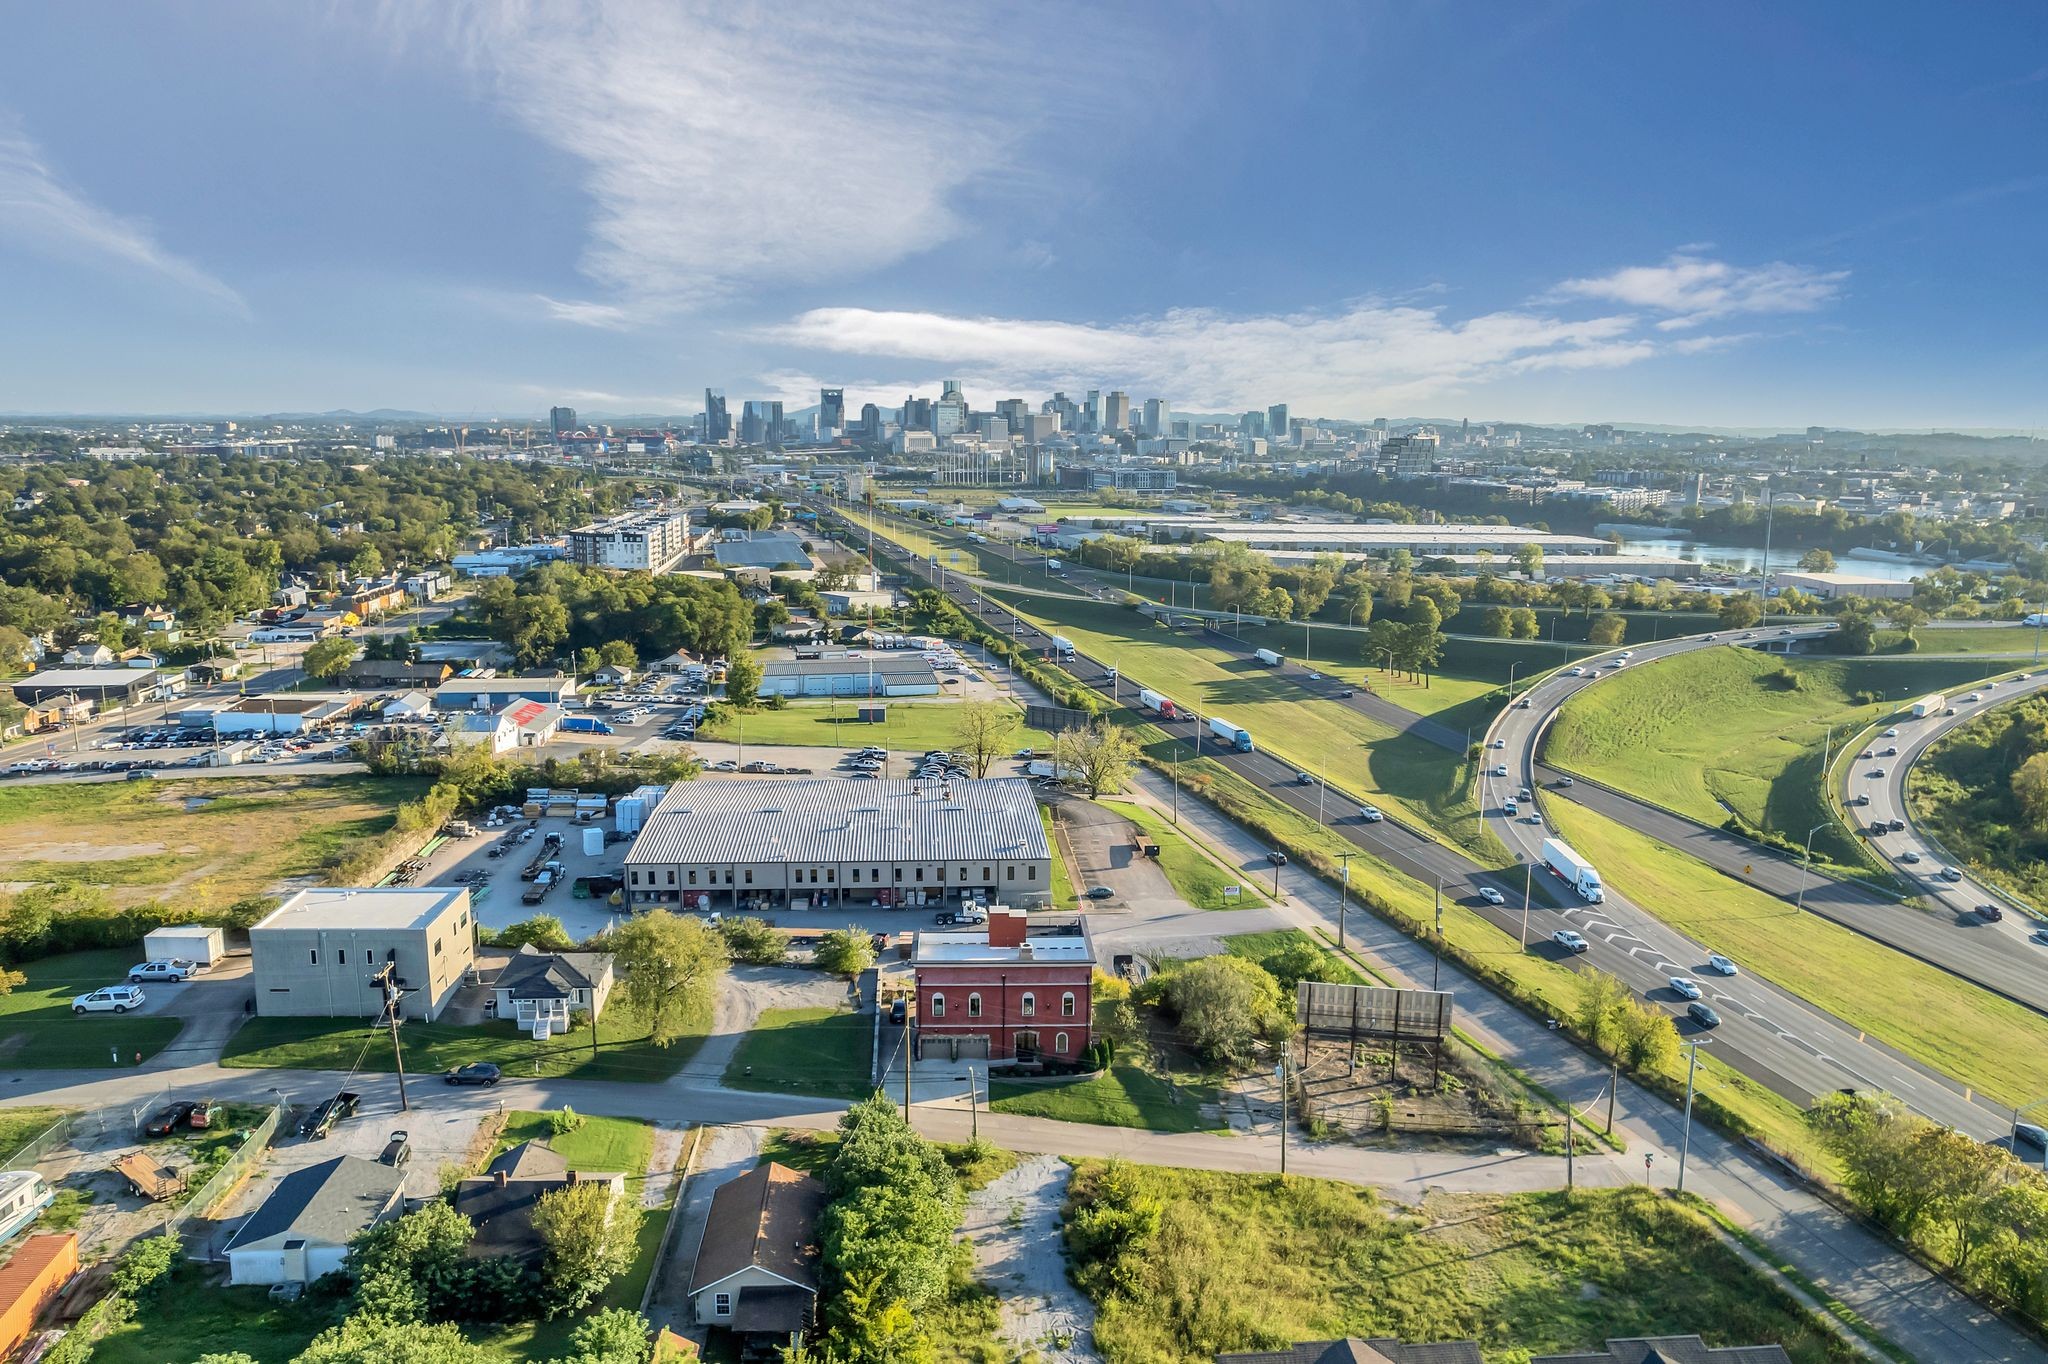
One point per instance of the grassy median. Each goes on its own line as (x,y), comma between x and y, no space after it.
(1730,731)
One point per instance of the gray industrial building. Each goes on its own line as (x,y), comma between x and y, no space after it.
(721,844)
(315,955)
(899,675)
(105,686)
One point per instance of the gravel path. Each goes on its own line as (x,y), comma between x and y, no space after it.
(1014,1224)
(725,1152)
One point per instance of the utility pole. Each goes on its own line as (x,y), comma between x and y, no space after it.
(1343,892)
(1685,1141)
(1528,872)
(1280,1072)
(1614,1085)
(973,1108)
(387,980)
(1437,940)
(906,1081)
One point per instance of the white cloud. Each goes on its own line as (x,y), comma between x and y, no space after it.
(584,313)
(1693,288)
(40,210)
(724,145)
(1368,357)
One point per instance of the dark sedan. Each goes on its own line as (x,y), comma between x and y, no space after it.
(480,1073)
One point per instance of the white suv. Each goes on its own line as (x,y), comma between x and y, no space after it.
(115,999)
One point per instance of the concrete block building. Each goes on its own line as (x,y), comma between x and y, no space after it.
(315,955)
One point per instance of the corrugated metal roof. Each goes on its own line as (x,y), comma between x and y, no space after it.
(827,820)
(897,667)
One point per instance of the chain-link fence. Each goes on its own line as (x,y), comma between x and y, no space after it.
(41,1145)
(205,1238)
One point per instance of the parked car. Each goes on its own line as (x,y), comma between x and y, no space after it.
(202,1115)
(899,1011)
(1099,893)
(164,968)
(113,999)
(1570,940)
(397,1151)
(476,1073)
(168,1119)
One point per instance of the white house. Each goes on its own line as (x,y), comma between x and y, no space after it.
(413,705)
(549,989)
(303,1229)
(89,654)
(612,675)
(494,728)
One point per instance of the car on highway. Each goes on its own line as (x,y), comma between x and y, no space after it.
(1564,781)
(476,1073)
(1304,779)
(1574,672)
(1570,940)
(1537,820)
(1099,892)
(1346,694)
(1315,677)
(1867,753)
(1951,874)
(1721,965)
(1370,814)
(1701,1012)
(1876,772)
(1909,856)
(112,999)
(1990,913)
(1492,896)
(1278,859)
(1626,653)
(1892,733)
(1897,826)
(1974,696)
(1510,807)
(1500,770)
(164,968)
(1687,986)
(1498,743)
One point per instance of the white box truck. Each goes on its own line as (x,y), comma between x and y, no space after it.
(1239,739)
(1582,875)
(1062,647)
(1268,657)
(1928,705)
(1153,701)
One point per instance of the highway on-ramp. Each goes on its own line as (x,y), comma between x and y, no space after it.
(1767,1033)
(1917,858)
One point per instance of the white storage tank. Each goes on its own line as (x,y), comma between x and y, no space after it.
(193,942)
(593,841)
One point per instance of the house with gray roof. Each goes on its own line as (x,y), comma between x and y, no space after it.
(303,1229)
(551,988)
(756,1272)
(1671,1350)
(500,1203)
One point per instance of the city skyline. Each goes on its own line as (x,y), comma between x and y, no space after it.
(1754,219)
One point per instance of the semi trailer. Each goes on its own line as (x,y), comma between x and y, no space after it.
(1239,739)
(1575,870)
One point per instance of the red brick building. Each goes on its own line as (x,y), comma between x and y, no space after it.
(1005,992)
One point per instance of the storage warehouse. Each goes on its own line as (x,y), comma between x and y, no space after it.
(722,844)
(297,713)
(105,686)
(896,676)
(314,956)
(489,693)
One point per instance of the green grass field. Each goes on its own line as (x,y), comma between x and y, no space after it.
(911,727)
(1122,1096)
(623,1053)
(1196,874)
(1990,639)
(1259,946)
(1960,792)
(1718,732)
(1412,778)
(207,842)
(1989,1043)
(38,1031)
(1064,894)
(828,1052)
(1242,1261)
(599,1145)
(20,1126)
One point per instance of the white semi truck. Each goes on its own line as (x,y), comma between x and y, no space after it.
(1153,701)
(1268,657)
(1239,739)
(1062,647)
(1928,705)
(1582,875)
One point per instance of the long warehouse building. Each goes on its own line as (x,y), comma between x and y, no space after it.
(822,842)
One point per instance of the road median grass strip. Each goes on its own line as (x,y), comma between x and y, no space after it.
(1732,734)
(1975,1037)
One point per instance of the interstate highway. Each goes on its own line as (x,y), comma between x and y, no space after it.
(1767,1033)
(2012,939)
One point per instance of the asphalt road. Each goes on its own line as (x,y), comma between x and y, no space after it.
(1956,901)
(1767,1033)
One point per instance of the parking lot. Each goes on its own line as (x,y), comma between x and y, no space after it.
(495,885)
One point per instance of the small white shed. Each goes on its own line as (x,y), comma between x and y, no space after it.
(193,942)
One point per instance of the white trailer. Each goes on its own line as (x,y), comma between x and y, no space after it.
(1928,705)
(1239,739)
(1268,657)
(1575,870)
(1153,701)
(1062,646)
(193,942)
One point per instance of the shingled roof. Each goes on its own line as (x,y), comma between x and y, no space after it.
(765,1219)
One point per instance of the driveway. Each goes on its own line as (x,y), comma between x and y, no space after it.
(1103,851)
(724,1153)
(1014,1225)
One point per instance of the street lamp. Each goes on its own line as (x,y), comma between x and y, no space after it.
(1343,893)
(1437,941)
(1528,875)
(1511,679)
(1806,865)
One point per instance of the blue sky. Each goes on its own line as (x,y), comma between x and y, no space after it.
(1735,214)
